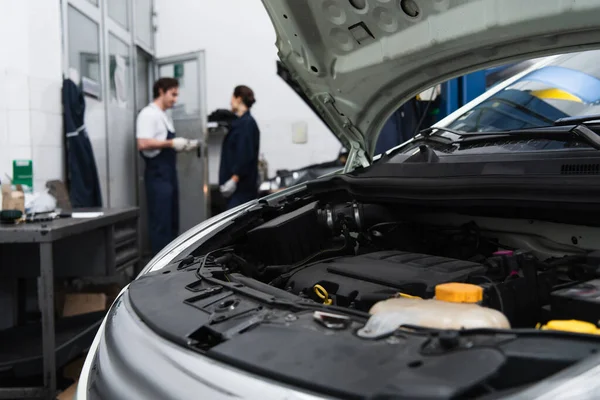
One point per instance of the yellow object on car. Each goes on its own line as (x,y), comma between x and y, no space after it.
(571,325)
(555,94)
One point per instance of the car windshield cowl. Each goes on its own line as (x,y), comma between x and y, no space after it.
(565,133)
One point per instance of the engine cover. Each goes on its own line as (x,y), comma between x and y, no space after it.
(384,272)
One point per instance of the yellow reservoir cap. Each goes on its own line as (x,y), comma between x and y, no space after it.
(459,292)
(572,325)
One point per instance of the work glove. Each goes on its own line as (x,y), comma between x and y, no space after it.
(191,145)
(179,144)
(228,188)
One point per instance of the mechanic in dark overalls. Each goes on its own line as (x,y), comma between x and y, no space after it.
(158,145)
(238,174)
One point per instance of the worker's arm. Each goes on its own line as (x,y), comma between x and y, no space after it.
(153,144)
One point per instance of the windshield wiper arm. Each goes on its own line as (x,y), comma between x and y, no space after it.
(582,132)
(583,119)
(428,131)
(589,135)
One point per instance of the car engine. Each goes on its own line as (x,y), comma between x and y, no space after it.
(355,255)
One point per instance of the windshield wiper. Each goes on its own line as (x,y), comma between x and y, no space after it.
(565,133)
(583,119)
(428,131)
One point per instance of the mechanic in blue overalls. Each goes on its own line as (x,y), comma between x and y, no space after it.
(158,145)
(238,174)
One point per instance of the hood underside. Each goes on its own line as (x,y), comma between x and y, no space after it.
(359,60)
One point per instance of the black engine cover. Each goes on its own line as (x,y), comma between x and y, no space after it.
(384,272)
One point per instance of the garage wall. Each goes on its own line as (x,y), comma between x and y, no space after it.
(238,38)
(30,84)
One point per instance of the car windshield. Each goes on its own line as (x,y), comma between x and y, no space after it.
(568,86)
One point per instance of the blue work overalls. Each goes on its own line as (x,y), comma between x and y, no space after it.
(162,193)
(239,156)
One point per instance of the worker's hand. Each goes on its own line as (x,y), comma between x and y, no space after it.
(228,188)
(192,145)
(179,144)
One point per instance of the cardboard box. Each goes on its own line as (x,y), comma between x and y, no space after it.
(83,303)
(73,369)
(13,199)
(69,393)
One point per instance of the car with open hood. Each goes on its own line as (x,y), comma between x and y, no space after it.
(464,263)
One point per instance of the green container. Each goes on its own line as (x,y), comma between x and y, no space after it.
(23,174)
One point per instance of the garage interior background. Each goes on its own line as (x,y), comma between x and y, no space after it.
(32,65)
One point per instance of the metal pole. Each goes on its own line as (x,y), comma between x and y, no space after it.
(46,303)
(105,73)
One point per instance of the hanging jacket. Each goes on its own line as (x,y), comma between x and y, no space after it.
(83,182)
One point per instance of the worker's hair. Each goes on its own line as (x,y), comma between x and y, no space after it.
(246,94)
(164,84)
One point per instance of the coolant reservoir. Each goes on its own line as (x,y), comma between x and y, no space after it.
(455,307)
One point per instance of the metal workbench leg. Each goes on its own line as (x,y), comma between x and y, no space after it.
(46,301)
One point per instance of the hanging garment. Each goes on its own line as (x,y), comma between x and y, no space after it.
(82,173)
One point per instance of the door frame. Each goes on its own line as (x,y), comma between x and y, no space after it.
(199,57)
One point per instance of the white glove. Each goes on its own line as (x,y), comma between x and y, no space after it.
(191,145)
(179,144)
(228,188)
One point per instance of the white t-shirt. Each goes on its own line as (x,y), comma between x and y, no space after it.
(153,123)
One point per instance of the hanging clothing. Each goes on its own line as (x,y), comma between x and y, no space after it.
(160,176)
(82,173)
(239,156)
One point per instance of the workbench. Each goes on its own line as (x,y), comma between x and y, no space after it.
(65,248)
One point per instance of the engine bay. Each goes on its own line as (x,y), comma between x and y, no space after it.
(314,292)
(354,255)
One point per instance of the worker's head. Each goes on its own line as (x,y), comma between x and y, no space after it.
(165,92)
(242,99)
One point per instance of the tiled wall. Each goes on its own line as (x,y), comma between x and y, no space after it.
(30,84)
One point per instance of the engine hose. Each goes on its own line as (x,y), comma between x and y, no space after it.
(356,216)
(262,287)
(347,248)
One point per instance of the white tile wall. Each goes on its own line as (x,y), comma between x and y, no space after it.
(15,35)
(48,162)
(46,129)
(44,34)
(19,153)
(17,90)
(19,133)
(5,162)
(30,83)
(45,95)
(3,99)
(3,127)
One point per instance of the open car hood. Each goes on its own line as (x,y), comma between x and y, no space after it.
(359,60)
